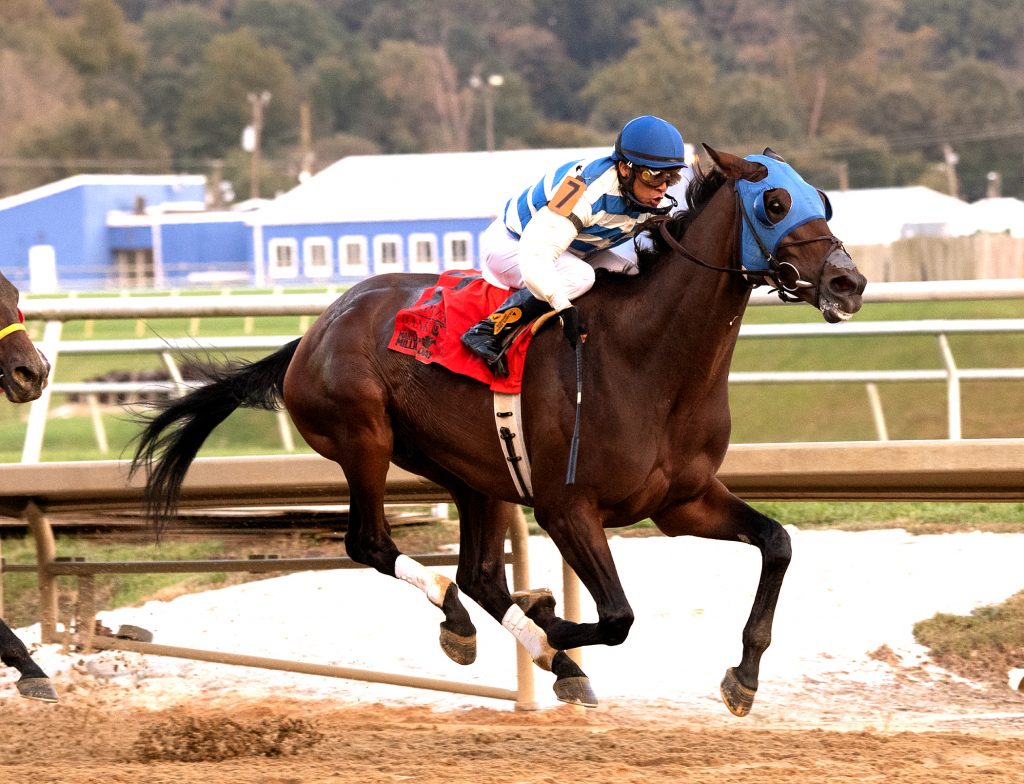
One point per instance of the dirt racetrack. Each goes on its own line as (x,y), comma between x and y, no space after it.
(846,694)
(100,737)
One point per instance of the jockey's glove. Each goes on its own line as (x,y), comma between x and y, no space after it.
(572,328)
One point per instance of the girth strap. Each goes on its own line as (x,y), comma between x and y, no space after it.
(508,418)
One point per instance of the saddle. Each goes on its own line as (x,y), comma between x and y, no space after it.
(430,330)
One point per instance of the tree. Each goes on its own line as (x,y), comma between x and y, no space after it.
(983,117)
(595,33)
(538,56)
(33,86)
(176,39)
(667,73)
(344,94)
(178,35)
(101,138)
(25,25)
(216,110)
(98,44)
(984,29)
(299,29)
(754,111)
(427,107)
(830,35)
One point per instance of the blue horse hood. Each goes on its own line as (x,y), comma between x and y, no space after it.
(759,236)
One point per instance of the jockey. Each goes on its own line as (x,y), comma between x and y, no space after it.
(554,235)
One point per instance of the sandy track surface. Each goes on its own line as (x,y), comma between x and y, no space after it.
(846,694)
(94,738)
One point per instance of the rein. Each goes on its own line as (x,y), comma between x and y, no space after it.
(778,273)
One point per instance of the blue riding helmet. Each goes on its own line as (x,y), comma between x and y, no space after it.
(652,142)
(759,236)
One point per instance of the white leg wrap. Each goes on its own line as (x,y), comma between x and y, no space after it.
(431,583)
(530,636)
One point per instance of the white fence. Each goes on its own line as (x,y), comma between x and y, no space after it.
(56,312)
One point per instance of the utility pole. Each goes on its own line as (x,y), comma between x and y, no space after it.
(952,159)
(994,186)
(305,142)
(258,101)
(843,172)
(487,87)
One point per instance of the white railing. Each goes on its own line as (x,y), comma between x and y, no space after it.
(56,312)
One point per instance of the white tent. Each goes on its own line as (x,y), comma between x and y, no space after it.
(994,216)
(880,216)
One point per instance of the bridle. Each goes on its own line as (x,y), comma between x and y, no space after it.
(19,326)
(782,276)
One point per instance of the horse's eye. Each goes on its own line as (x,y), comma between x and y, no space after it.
(776,204)
(772,206)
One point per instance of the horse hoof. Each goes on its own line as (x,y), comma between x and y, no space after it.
(37,689)
(461,650)
(737,697)
(576,691)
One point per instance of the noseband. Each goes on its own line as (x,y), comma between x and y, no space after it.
(782,276)
(18,327)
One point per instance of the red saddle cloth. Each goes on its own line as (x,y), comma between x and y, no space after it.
(430,329)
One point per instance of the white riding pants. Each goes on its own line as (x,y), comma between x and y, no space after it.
(499,263)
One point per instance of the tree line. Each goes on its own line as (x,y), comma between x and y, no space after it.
(860,93)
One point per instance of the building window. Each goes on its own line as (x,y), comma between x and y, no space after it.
(458,250)
(352,256)
(316,257)
(284,258)
(422,253)
(387,253)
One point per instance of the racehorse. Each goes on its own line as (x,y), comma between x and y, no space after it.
(655,417)
(23,375)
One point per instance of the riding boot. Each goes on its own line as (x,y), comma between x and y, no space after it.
(489,339)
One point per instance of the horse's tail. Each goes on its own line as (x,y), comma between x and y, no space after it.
(170,440)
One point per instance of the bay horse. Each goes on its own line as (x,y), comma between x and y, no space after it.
(23,376)
(654,431)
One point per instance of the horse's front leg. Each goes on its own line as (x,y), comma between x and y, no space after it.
(581,540)
(33,684)
(718,514)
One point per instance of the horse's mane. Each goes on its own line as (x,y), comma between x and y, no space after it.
(698,193)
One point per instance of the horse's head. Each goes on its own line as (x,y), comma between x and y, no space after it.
(785,238)
(23,369)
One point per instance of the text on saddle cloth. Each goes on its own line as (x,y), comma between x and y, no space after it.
(431,329)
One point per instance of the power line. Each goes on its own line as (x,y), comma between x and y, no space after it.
(919,140)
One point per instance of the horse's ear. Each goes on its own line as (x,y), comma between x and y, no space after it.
(770,153)
(735,167)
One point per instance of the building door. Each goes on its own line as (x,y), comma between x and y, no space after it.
(135,269)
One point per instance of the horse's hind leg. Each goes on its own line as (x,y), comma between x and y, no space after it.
(720,515)
(33,684)
(484,523)
(368,541)
(361,443)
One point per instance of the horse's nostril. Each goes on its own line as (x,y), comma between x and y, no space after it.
(24,375)
(842,285)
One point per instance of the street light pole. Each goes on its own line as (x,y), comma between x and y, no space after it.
(258,102)
(487,87)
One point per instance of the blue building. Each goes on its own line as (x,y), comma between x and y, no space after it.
(361,216)
(60,230)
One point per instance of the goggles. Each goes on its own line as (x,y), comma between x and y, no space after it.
(655,178)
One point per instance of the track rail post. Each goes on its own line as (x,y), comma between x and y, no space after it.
(519,535)
(46,552)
